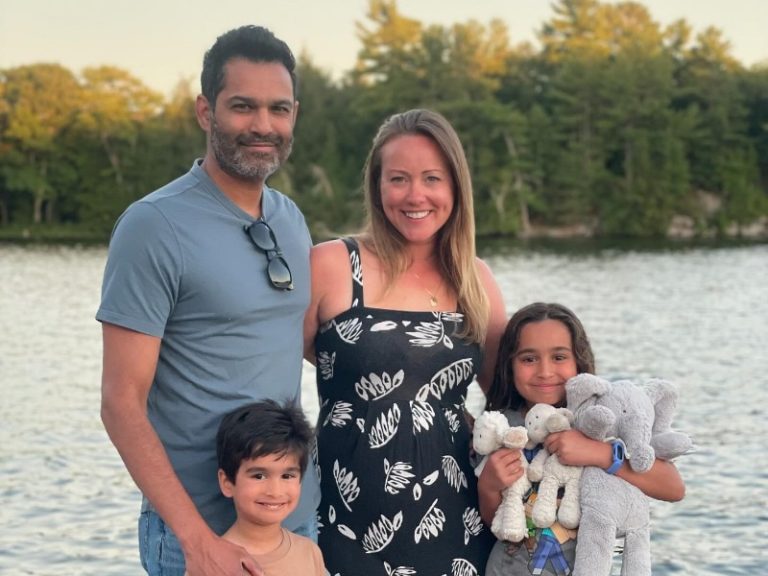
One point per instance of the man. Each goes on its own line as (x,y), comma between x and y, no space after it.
(203,300)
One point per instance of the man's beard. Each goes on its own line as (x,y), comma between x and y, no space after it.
(238,162)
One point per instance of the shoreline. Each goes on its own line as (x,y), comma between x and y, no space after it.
(682,229)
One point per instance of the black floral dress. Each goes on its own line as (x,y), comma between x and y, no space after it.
(399,494)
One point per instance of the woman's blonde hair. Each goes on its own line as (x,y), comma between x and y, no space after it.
(455,240)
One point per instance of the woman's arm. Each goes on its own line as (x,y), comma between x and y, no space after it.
(497,321)
(331,289)
(661,482)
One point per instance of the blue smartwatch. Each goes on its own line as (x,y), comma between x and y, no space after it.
(619,454)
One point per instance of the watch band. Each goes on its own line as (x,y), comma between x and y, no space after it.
(619,453)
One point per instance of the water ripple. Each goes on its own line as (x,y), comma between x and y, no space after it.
(696,317)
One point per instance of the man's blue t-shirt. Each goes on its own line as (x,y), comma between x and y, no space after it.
(181,268)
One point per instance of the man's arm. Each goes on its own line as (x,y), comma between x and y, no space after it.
(129,363)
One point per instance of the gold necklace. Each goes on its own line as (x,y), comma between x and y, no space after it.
(432,296)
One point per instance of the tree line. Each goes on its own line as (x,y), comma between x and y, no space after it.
(614,124)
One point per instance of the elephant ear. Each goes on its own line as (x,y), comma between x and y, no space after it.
(584,389)
(663,396)
(666,442)
(561,419)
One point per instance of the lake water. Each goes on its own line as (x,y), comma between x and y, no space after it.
(696,316)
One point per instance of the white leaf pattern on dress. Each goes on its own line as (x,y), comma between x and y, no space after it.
(346,484)
(332,514)
(360,424)
(385,427)
(447,378)
(340,413)
(431,524)
(383,326)
(417,492)
(396,476)
(473,523)
(349,330)
(430,478)
(325,364)
(428,334)
(462,567)
(380,534)
(399,571)
(347,531)
(423,416)
(455,317)
(453,473)
(378,386)
(315,458)
(357,269)
(423,392)
(453,420)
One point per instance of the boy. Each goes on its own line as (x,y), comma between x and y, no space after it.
(262,451)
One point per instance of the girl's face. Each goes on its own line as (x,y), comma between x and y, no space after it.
(543,362)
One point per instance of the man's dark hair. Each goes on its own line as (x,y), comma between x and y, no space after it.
(261,429)
(254,43)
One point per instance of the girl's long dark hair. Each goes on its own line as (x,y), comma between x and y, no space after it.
(503,394)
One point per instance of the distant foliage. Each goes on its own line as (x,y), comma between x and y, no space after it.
(615,124)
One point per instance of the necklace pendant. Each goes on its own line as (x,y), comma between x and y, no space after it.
(433,301)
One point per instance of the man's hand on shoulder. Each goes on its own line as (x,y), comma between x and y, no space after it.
(217,557)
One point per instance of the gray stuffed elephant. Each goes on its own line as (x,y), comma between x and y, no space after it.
(641,417)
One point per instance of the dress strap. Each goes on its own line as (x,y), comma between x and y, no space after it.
(357,271)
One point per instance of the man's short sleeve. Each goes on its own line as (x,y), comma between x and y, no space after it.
(143,271)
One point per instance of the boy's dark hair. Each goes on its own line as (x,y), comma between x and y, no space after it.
(254,43)
(503,394)
(261,429)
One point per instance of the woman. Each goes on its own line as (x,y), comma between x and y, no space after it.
(397,325)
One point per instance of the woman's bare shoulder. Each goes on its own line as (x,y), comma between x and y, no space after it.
(329,253)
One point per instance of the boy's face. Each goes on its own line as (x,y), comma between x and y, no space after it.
(266,489)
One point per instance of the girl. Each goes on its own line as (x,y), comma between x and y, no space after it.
(543,346)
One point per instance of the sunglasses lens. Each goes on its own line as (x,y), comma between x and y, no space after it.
(279,274)
(261,236)
(277,268)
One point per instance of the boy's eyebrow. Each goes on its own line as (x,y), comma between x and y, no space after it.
(251,469)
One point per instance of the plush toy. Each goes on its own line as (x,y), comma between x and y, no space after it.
(491,432)
(666,443)
(610,507)
(540,421)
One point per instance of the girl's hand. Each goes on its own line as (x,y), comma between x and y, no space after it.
(501,470)
(575,449)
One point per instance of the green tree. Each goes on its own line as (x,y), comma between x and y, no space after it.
(40,101)
(324,169)
(115,107)
(644,154)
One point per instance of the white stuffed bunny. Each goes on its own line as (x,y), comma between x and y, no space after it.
(540,421)
(491,432)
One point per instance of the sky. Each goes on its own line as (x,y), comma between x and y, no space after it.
(163,41)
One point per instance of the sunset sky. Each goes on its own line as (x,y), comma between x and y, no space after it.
(163,41)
